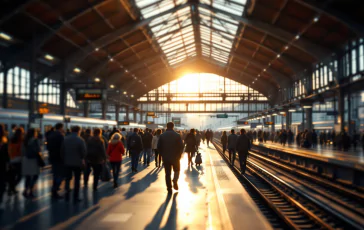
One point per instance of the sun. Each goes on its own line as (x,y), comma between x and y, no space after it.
(189,83)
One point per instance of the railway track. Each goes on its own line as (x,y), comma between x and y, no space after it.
(299,199)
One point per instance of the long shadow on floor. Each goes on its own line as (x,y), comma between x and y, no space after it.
(142,184)
(172,217)
(193,179)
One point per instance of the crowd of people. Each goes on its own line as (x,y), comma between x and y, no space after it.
(309,138)
(77,152)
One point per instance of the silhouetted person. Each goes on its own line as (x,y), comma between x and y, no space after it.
(135,146)
(224,140)
(54,141)
(73,152)
(232,139)
(191,145)
(243,146)
(170,147)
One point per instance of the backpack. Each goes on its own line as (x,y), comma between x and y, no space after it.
(133,142)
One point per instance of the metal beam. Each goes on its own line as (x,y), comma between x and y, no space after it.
(114,35)
(196,28)
(10,8)
(336,15)
(303,44)
(280,78)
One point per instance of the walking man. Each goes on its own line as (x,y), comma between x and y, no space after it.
(232,139)
(73,152)
(55,141)
(170,146)
(243,147)
(147,146)
(135,145)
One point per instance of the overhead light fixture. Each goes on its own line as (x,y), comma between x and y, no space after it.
(265,70)
(49,57)
(307,106)
(77,70)
(278,56)
(297,37)
(112,86)
(292,110)
(258,75)
(269,64)
(97,79)
(282,112)
(286,47)
(96,49)
(132,95)
(5,36)
(253,82)
(268,115)
(140,81)
(124,92)
(316,19)
(126,71)
(111,59)
(274,114)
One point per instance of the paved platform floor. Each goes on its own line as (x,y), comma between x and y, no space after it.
(210,197)
(352,156)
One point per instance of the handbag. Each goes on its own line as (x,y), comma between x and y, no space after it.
(105,173)
(40,160)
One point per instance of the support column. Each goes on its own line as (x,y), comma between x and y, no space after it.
(32,80)
(303,120)
(141,117)
(103,110)
(288,120)
(308,123)
(117,113)
(5,71)
(341,109)
(134,116)
(86,109)
(127,112)
(273,119)
(63,91)
(350,126)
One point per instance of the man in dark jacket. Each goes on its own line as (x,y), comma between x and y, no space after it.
(73,152)
(147,146)
(232,138)
(170,146)
(243,146)
(54,143)
(135,146)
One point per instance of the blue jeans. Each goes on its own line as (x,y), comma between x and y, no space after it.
(147,153)
(134,158)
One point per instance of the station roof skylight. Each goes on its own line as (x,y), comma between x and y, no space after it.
(175,32)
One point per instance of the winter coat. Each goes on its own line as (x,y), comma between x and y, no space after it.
(30,166)
(55,141)
(190,143)
(243,144)
(147,140)
(170,146)
(155,142)
(73,150)
(224,139)
(96,152)
(232,139)
(115,151)
(15,152)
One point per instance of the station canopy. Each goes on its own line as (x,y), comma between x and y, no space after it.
(137,46)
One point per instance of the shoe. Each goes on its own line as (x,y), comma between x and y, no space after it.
(136,170)
(148,165)
(115,185)
(175,185)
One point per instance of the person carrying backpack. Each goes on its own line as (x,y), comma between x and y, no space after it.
(135,145)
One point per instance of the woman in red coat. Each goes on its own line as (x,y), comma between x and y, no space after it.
(115,150)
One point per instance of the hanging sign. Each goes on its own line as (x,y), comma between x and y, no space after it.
(89,94)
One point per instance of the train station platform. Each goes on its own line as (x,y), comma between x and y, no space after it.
(352,159)
(209,197)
